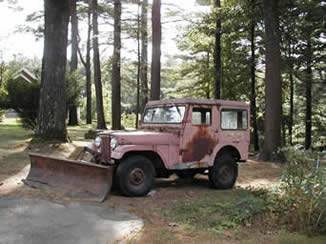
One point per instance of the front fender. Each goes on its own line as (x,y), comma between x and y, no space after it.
(119,152)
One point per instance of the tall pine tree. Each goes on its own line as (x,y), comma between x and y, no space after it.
(52,106)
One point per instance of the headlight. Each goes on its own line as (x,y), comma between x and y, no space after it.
(98,141)
(114,143)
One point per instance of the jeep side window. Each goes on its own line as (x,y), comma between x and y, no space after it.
(234,119)
(201,116)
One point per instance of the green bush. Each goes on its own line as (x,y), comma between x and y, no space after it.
(303,188)
(23,97)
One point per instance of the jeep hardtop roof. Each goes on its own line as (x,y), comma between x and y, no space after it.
(197,101)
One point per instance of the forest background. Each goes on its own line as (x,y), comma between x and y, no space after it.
(268,53)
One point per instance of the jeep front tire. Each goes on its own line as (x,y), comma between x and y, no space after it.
(135,176)
(224,172)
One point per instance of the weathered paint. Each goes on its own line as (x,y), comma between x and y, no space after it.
(144,137)
(201,144)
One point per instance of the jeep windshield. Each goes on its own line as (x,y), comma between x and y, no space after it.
(164,115)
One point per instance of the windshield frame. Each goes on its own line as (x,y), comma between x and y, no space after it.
(177,108)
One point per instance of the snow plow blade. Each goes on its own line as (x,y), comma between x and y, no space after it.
(72,178)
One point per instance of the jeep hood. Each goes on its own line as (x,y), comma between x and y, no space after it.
(142,137)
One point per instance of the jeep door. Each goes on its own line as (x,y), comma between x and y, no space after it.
(200,135)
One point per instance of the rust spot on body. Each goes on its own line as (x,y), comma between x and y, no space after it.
(201,144)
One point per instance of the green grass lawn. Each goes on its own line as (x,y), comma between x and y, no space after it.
(12,133)
(76,133)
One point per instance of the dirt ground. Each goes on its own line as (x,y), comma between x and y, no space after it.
(14,166)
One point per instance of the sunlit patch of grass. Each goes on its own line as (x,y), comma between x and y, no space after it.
(77,133)
(11,132)
(11,121)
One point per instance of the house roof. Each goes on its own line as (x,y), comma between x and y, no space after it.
(25,74)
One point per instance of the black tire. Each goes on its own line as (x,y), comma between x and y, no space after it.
(135,176)
(224,172)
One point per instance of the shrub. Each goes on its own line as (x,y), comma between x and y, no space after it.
(23,97)
(304,192)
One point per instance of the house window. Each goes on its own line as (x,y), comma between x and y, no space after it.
(201,116)
(234,119)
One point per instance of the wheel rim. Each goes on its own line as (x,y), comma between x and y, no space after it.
(137,178)
(225,175)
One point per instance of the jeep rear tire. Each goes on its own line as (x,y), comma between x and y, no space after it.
(135,176)
(224,172)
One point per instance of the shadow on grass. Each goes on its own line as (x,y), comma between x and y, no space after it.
(176,183)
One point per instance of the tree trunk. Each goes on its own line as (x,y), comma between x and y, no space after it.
(253,86)
(52,107)
(116,93)
(138,65)
(88,69)
(156,50)
(217,55)
(73,117)
(291,94)
(283,129)
(144,57)
(208,88)
(272,135)
(308,95)
(97,72)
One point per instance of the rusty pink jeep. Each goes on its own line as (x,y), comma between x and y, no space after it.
(181,136)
